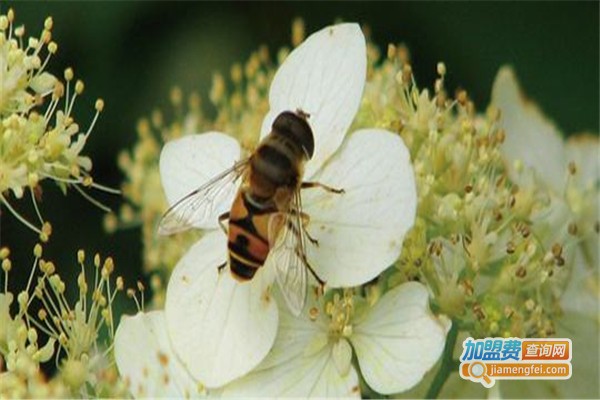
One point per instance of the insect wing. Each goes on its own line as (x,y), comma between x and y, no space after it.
(288,257)
(198,206)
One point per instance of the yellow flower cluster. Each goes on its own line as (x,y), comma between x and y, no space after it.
(72,332)
(479,238)
(39,139)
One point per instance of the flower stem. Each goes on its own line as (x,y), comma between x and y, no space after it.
(448,364)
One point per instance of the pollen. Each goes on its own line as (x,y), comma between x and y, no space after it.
(6,265)
(68,74)
(441,69)
(340,311)
(391,51)
(80,256)
(298,32)
(266,296)
(572,228)
(4,253)
(313,313)
(163,359)
(99,105)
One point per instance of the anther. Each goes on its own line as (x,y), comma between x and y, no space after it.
(4,253)
(6,265)
(80,256)
(79,86)
(48,23)
(37,250)
(441,68)
(391,51)
(68,74)
(99,105)
(313,313)
(109,265)
(510,247)
(556,250)
(52,47)
(572,228)
(298,31)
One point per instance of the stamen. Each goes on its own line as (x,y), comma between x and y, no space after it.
(99,107)
(105,188)
(18,216)
(92,200)
(35,206)
(6,267)
(141,288)
(131,295)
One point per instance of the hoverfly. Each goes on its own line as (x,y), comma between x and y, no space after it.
(266,221)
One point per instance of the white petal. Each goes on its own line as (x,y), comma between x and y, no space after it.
(585,334)
(324,77)
(301,377)
(360,232)
(189,162)
(146,361)
(219,328)
(299,365)
(341,355)
(399,340)
(582,293)
(584,151)
(530,136)
(43,83)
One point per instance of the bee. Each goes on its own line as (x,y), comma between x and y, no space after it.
(266,221)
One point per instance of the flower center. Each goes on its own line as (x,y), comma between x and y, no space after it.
(340,310)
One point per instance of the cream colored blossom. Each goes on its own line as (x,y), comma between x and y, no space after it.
(358,236)
(323,77)
(40,139)
(73,332)
(571,169)
(483,243)
(395,341)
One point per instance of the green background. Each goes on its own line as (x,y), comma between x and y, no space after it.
(132,53)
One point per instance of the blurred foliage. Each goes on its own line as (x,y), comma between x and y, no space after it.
(132,53)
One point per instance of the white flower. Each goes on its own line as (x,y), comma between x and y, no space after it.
(221,329)
(396,341)
(147,362)
(571,170)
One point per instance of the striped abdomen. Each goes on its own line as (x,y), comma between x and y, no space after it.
(274,175)
(248,241)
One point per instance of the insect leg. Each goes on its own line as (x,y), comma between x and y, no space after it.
(308,185)
(312,271)
(222,218)
(220,267)
(305,220)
